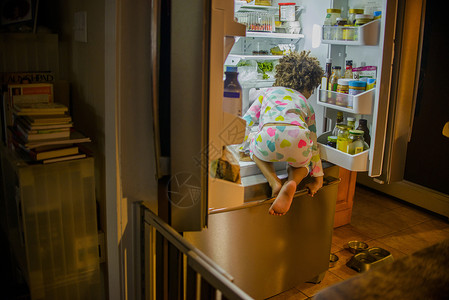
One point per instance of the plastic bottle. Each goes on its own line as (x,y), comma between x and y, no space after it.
(232,93)
(364,127)
(333,80)
(348,70)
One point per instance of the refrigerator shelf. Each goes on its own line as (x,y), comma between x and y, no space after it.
(365,35)
(274,35)
(361,104)
(357,162)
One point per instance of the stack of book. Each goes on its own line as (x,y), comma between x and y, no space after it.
(43,132)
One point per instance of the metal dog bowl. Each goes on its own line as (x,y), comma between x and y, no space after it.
(372,257)
(356,246)
(333,260)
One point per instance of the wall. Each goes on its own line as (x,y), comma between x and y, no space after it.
(82,64)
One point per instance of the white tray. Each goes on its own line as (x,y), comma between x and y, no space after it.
(357,162)
(367,35)
(361,104)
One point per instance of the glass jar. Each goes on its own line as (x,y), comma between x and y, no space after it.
(356,141)
(343,138)
(340,26)
(361,19)
(352,13)
(351,122)
(331,16)
(332,141)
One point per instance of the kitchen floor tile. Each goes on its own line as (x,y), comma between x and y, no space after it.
(405,240)
(370,227)
(340,269)
(310,289)
(342,235)
(291,294)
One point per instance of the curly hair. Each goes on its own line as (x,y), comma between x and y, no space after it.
(298,71)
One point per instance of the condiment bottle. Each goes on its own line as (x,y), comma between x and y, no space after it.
(351,122)
(333,80)
(338,121)
(327,74)
(348,71)
(356,142)
(232,93)
(343,138)
(364,127)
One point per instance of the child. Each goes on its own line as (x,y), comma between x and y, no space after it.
(286,128)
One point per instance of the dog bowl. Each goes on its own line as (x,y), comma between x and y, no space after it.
(356,246)
(332,260)
(367,259)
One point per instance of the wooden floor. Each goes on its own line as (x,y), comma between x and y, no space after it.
(380,221)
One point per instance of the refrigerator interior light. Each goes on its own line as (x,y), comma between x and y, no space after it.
(316,36)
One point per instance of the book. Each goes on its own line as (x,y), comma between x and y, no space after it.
(64,158)
(8,78)
(38,135)
(75,138)
(40,109)
(34,154)
(30,93)
(47,119)
(25,124)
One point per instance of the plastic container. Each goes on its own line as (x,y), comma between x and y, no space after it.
(287,12)
(377,14)
(356,87)
(232,93)
(361,19)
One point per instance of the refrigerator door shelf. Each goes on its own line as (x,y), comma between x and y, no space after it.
(361,104)
(275,35)
(357,162)
(365,35)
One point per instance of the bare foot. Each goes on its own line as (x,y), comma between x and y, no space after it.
(283,201)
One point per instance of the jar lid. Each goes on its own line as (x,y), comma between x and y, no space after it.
(377,13)
(356,132)
(362,16)
(351,119)
(333,10)
(343,81)
(336,67)
(332,138)
(342,126)
(357,83)
(356,11)
(287,3)
(231,69)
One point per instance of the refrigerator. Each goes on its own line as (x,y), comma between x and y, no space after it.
(191,42)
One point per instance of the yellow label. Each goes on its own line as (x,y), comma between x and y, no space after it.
(358,150)
(342,145)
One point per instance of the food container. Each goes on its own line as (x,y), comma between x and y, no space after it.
(356,246)
(293,27)
(356,87)
(263,2)
(352,13)
(361,19)
(333,260)
(287,12)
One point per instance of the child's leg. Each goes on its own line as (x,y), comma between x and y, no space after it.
(284,200)
(269,172)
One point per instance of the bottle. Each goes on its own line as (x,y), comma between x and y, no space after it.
(343,138)
(356,142)
(338,121)
(364,127)
(327,74)
(333,80)
(232,93)
(348,71)
(351,122)
(352,13)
